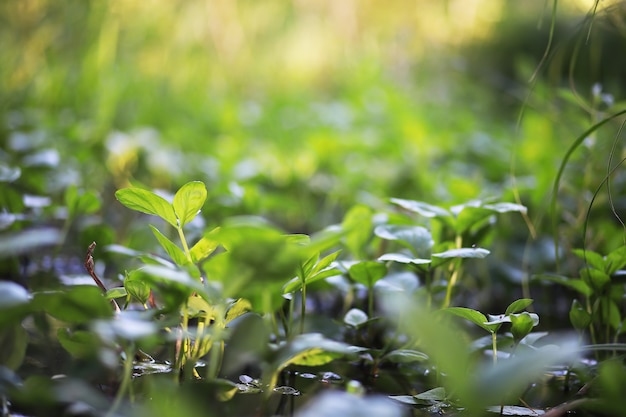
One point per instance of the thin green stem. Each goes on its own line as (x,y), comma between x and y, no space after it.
(183,241)
(126,379)
(494,348)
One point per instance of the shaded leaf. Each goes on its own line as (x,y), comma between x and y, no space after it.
(579,316)
(368,272)
(357,225)
(137,286)
(522,324)
(575,284)
(405,356)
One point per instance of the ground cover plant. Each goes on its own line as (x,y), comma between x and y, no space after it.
(199,218)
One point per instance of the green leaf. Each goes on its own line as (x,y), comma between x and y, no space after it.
(470,216)
(593,259)
(615,260)
(116,292)
(325,262)
(575,284)
(75,304)
(188,201)
(79,203)
(518,305)
(598,280)
(175,253)
(147,202)
(579,316)
(609,313)
(127,326)
(474,316)
(137,287)
(310,349)
(506,207)
(13,343)
(368,272)
(416,238)
(237,309)
(405,356)
(355,317)
(79,343)
(357,225)
(421,208)
(434,395)
(521,325)
(402,258)
(463,253)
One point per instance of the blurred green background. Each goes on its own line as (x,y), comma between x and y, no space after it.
(296,110)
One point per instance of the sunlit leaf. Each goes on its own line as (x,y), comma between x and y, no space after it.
(506,207)
(175,253)
(421,208)
(12,244)
(435,394)
(402,258)
(416,238)
(474,316)
(463,253)
(522,324)
(147,202)
(518,305)
(188,201)
(237,309)
(616,260)
(593,259)
(357,225)
(355,317)
(204,247)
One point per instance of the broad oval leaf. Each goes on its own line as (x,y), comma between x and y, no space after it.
(522,324)
(416,238)
(421,208)
(402,258)
(463,253)
(147,202)
(518,305)
(12,295)
(188,201)
(579,316)
(474,316)
(368,272)
(204,247)
(355,317)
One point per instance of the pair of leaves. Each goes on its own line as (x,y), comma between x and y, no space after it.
(522,323)
(460,218)
(313,270)
(187,202)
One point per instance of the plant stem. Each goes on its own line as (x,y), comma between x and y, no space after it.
(126,379)
(454,267)
(183,241)
(494,348)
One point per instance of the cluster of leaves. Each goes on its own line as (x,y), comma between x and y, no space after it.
(199,313)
